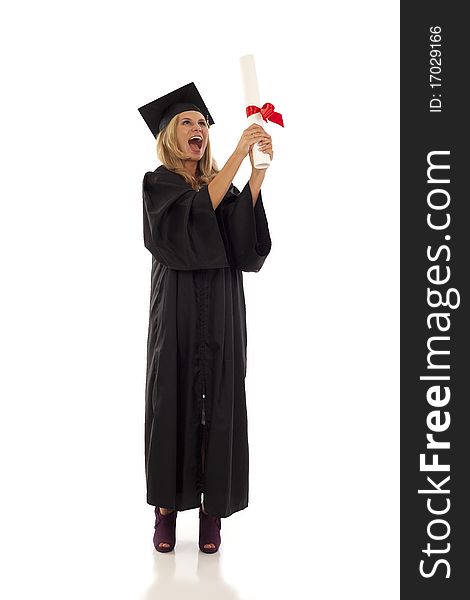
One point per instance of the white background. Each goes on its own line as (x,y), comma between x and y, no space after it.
(323,312)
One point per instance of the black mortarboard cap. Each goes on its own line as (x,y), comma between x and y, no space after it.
(158,114)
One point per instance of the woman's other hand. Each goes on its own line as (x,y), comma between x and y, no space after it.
(266,146)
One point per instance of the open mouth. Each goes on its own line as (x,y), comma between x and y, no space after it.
(195,143)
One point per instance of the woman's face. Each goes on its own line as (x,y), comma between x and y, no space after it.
(192,124)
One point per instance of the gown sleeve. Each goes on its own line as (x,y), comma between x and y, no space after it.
(180,225)
(245,228)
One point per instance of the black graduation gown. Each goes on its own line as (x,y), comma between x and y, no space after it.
(196,349)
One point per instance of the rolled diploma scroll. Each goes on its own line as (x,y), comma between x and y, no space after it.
(250,88)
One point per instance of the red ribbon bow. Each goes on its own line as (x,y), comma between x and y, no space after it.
(267,112)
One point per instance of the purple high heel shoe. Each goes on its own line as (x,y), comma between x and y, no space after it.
(165,526)
(209,531)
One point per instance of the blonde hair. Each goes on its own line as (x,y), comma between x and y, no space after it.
(172,157)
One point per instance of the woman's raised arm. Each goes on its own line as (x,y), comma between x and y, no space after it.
(219,186)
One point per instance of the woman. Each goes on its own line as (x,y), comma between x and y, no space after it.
(202,233)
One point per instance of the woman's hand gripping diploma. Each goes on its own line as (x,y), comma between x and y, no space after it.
(251,136)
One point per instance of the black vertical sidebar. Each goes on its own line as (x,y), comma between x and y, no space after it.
(434,301)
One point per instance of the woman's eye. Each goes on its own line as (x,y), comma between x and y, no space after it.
(203,123)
